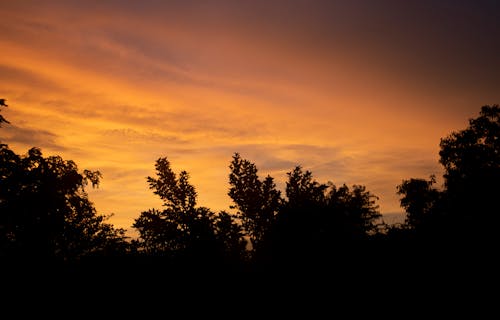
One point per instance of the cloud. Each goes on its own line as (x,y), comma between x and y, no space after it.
(132,135)
(275,157)
(12,76)
(32,138)
(399,160)
(355,92)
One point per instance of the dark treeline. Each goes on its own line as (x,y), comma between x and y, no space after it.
(313,228)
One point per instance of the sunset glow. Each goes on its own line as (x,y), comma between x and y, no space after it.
(358,92)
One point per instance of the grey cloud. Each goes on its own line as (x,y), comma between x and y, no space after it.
(32,137)
(11,75)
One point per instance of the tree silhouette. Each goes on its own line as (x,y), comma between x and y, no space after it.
(177,194)
(467,209)
(45,210)
(342,213)
(183,230)
(257,201)
(303,191)
(419,199)
(230,233)
(356,211)
(471,159)
(318,221)
(2,119)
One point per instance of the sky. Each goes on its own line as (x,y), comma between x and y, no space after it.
(358,92)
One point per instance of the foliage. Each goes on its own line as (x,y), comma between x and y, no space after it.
(182,229)
(468,206)
(419,199)
(177,193)
(319,220)
(339,212)
(356,210)
(474,149)
(471,158)
(302,190)
(257,201)
(2,119)
(45,210)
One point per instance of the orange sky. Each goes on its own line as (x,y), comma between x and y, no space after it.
(354,91)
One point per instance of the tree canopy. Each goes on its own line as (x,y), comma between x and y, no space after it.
(182,230)
(45,210)
(467,207)
(257,201)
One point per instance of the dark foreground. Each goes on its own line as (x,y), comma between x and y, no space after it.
(373,282)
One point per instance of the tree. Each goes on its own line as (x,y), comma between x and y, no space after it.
(339,213)
(299,225)
(257,201)
(177,194)
(471,159)
(320,220)
(45,210)
(419,199)
(172,230)
(355,211)
(183,230)
(467,207)
(230,234)
(303,191)
(2,119)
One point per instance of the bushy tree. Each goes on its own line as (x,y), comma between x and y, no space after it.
(257,201)
(337,212)
(355,211)
(182,229)
(45,210)
(419,199)
(230,233)
(468,206)
(319,220)
(302,190)
(471,159)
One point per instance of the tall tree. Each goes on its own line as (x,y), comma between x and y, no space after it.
(177,193)
(471,159)
(182,229)
(257,201)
